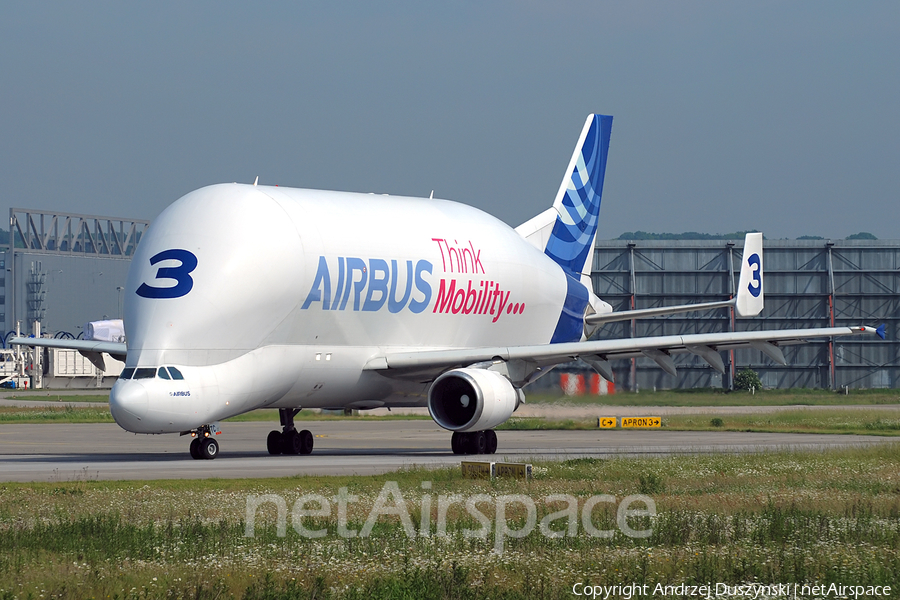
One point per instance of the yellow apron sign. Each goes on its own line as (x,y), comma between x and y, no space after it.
(641,422)
(477,470)
(517,470)
(488,470)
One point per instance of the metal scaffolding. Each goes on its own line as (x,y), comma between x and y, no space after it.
(68,233)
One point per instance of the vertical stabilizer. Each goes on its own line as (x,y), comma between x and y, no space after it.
(577,203)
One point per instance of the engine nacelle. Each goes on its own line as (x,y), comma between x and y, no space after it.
(472,399)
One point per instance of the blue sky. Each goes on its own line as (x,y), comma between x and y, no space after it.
(728,116)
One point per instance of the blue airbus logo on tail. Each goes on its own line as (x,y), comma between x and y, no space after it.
(578,205)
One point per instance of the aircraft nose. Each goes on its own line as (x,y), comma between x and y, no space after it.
(128,403)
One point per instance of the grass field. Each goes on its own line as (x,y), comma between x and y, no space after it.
(877,421)
(781,517)
(857,421)
(61,396)
(717,397)
(65,413)
(874,422)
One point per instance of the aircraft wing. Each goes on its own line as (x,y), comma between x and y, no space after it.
(115,349)
(526,363)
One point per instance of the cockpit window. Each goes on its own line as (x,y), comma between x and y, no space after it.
(145,373)
(151,372)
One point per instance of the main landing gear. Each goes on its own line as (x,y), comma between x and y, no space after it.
(474,442)
(289,440)
(204,446)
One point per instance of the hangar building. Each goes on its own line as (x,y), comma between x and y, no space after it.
(808,283)
(65,269)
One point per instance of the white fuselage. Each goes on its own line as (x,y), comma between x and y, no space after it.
(279,297)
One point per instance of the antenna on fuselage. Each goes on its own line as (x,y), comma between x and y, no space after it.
(431,197)
(256,181)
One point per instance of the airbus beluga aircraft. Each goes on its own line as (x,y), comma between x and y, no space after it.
(358,301)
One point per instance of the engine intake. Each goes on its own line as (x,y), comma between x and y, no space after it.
(472,399)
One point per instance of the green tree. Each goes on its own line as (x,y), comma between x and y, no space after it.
(747,378)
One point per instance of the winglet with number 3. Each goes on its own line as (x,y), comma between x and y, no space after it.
(750,285)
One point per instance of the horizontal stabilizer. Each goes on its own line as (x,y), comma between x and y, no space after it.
(643,313)
(748,303)
(537,229)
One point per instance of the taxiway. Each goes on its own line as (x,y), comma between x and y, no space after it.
(64,452)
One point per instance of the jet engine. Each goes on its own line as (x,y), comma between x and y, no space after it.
(472,399)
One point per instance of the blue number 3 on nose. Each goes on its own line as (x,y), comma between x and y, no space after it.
(181,275)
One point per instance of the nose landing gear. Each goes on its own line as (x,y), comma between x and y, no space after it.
(204,446)
(289,440)
(474,442)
